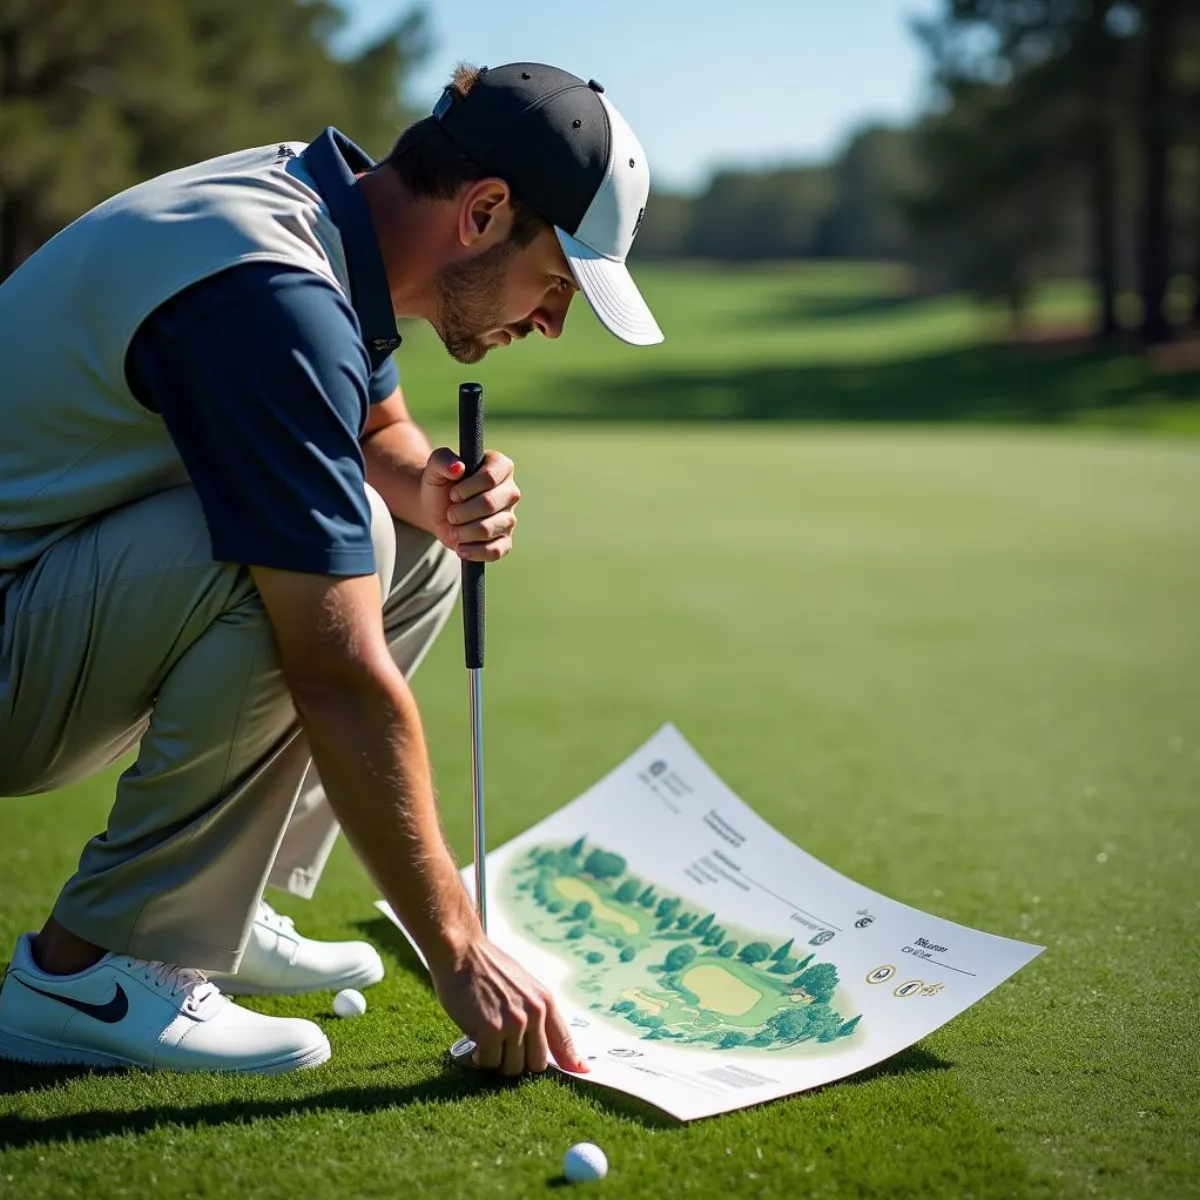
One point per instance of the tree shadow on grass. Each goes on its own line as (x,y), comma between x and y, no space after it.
(1001,382)
(913,1060)
(453,1085)
(450,1087)
(806,306)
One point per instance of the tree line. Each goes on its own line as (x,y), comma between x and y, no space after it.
(97,95)
(1064,140)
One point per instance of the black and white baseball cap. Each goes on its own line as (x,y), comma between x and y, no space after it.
(572,158)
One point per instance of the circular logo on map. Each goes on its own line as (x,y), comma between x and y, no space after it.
(881,974)
(911,988)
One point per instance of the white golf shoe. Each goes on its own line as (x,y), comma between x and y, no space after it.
(129,1012)
(280,961)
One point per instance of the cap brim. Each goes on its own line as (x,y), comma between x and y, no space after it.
(611,292)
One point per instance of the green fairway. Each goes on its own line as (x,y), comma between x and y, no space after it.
(825,341)
(659,965)
(962,667)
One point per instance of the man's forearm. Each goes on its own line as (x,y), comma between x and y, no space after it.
(369,747)
(395,457)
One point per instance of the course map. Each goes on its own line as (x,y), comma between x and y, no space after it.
(706,963)
(663,969)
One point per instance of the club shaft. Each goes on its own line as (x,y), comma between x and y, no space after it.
(476,678)
(470,449)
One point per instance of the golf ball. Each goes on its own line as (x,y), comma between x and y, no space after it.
(585,1162)
(349,1003)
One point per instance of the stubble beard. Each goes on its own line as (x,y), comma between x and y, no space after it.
(470,300)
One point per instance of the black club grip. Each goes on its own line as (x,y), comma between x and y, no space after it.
(470,450)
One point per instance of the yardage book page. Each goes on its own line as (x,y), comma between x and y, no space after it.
(705,962)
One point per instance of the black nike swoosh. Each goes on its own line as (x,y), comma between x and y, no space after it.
(109,1013)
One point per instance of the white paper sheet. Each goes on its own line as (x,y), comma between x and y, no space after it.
(705,962)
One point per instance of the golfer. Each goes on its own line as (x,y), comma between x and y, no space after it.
(225,542)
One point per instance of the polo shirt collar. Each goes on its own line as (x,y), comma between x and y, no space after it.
(332,159)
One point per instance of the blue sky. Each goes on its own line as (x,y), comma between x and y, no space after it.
(703,84)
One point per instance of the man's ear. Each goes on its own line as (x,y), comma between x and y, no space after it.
(485,213)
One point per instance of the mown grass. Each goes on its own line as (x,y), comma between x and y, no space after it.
(958,664)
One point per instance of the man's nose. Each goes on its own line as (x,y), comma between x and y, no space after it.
(549,319)
(546,323)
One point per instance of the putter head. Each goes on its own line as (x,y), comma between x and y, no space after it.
(461,1054)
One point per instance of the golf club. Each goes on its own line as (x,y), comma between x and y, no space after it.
(470,450)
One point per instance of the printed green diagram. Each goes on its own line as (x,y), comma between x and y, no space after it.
(652,964)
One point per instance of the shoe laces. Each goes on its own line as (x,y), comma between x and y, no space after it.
(194,986)
(269,917)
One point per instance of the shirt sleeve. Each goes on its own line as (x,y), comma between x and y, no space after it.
(385,379)
(264,383)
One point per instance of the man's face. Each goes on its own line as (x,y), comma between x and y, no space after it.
(503,294)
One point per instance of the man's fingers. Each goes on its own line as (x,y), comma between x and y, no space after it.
(444,467)
(486,530)
(489,1052)
(493,471)
(513,1062)
(561,1045)
(502,497)
(485,552)
(537,1052)
(513,1019)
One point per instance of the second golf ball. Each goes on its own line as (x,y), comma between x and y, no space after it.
(349,1003)
(585,1162)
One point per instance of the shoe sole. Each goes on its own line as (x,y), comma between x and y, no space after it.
(230,985)
(21,1047)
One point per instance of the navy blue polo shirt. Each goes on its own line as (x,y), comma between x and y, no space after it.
(264,375)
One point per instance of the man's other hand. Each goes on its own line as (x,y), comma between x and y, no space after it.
(513,1020)
(473,516)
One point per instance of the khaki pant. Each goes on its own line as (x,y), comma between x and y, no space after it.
(126,633)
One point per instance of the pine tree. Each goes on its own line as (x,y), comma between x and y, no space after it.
(97,95)
(755,952)
(783,950)
(628,890)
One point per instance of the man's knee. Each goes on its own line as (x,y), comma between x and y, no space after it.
(383,539)
(430,584)
(440,589)
(424,589)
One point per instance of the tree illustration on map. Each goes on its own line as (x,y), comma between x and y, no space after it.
(649,961)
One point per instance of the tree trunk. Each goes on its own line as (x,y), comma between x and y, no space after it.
(1196,268)
(10,215)
(1101,167)
(1104,225)
(1154,121)
(17,241)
